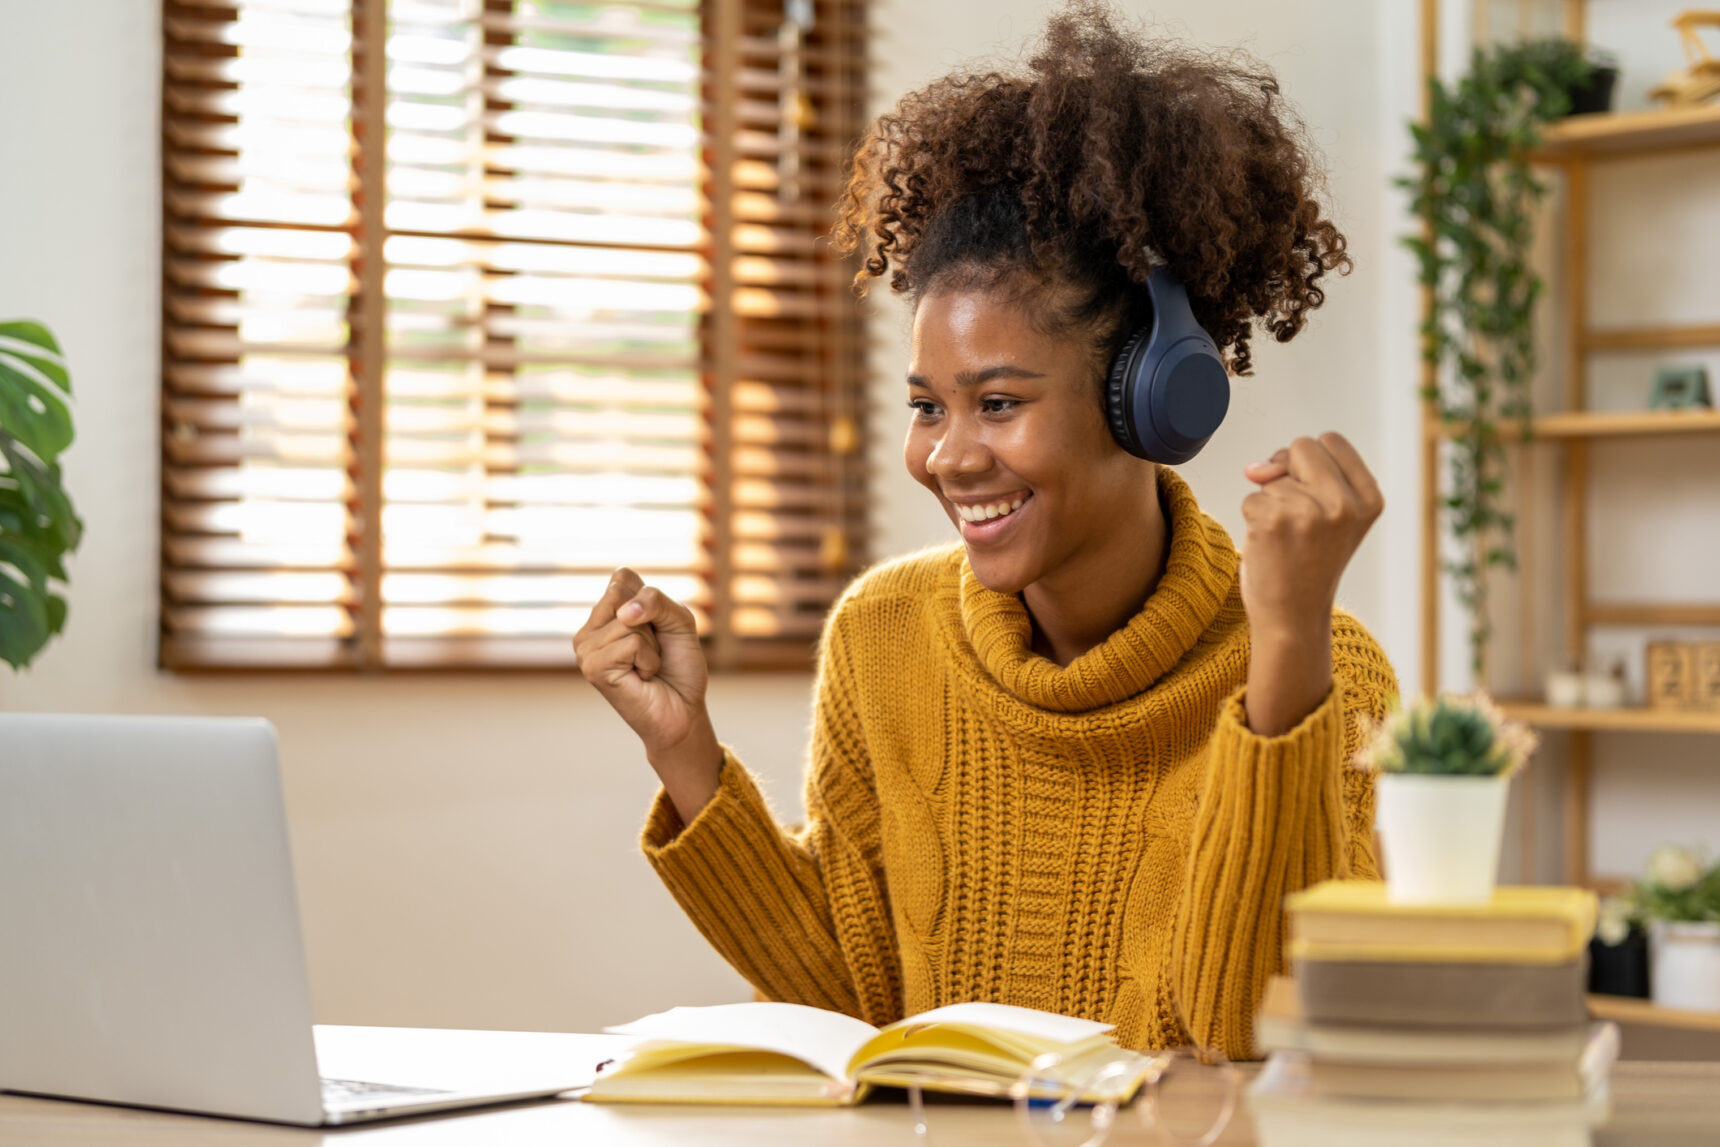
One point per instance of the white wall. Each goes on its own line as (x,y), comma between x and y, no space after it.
(465,844)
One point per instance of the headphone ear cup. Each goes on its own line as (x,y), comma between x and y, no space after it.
(1119,391)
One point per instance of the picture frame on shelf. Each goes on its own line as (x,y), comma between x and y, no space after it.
(1680,388)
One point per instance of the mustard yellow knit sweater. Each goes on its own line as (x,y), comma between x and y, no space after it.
(1103,839)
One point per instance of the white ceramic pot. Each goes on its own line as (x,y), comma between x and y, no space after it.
(1441,836)
(1684,965)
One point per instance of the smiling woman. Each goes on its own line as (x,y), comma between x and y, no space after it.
(1075,761)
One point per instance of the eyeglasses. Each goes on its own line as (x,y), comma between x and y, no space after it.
(1186,1095)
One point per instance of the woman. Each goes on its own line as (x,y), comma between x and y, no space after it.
(1076,761)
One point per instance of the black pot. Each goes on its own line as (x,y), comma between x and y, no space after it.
(1596,95)
(1621,969)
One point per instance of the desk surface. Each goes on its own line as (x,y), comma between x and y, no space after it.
(1654,1105)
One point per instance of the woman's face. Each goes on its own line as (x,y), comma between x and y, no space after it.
(1008,433)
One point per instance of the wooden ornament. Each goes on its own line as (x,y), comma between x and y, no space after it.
(1700,82)
(1671,669)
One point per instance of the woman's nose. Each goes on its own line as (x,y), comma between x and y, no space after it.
(957,451)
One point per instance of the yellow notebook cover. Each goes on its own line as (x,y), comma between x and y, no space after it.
(1353,920)
(774,1053)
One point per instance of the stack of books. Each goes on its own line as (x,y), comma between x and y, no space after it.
(1433,1023)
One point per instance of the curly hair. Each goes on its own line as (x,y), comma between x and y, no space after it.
(1063,176)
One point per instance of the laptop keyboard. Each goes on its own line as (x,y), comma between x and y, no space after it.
(340,1091)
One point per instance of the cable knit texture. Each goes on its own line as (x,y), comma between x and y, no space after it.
(1105,839)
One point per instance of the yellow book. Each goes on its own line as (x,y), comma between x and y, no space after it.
(1353,920)
(792,1054)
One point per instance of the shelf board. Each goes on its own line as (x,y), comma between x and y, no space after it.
(1623,133)
(1604,424)
(1638,720)
(1690,336)
(1651,613)
(1626,1010)
(1626,423)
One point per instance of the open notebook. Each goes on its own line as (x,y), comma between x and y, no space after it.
(792,1054)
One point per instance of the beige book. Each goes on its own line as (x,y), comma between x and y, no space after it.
(1281,1026)
(1287,1113)
(1468,1082)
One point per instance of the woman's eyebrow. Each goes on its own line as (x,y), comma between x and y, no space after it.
(980,377)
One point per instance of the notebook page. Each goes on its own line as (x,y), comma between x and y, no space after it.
(823,1039)
(1007,1017)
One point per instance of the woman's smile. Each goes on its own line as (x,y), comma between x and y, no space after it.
(987,521)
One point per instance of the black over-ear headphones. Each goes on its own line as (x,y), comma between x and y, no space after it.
(1168,390)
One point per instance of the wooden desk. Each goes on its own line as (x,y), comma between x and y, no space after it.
(1654,1105)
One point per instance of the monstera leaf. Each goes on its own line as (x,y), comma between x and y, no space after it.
(38,526)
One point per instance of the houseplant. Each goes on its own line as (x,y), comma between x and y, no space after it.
(1678,901)
(1442,770)
(1475,190)
(38,525)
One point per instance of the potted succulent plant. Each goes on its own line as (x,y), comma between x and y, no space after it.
(1443,767)
(38,526)
(1678,902)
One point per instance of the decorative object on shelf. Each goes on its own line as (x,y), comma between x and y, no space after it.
(1678,901)
(1700,82)
(1594,95)
(1565,687)
(1680,388)
(1443,768)
(1606,690)
(1618,958)
(38,525)
(1476,192)
(1684,675)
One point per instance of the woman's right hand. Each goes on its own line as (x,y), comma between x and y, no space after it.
(640,648)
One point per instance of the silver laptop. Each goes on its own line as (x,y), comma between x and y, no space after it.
(150,950)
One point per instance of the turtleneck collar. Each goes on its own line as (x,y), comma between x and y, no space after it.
(1200,575)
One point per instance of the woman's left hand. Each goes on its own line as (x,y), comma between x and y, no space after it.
(1316,501)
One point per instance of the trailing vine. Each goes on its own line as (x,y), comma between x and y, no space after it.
(1474,185)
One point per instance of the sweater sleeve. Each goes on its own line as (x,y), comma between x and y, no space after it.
(803,916)
(1277,814)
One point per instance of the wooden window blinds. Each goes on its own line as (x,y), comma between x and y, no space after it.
(466,302)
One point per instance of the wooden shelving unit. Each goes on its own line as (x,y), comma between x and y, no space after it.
(1571,147)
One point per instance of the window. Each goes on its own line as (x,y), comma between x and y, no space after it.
(468,301)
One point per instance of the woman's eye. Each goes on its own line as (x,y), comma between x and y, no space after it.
(999,405)
(923,408)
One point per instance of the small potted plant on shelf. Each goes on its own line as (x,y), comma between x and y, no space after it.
(1443,768)
(1678,902)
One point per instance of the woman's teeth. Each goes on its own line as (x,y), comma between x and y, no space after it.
(986,513)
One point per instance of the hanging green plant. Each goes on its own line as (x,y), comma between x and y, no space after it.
(38,526)
(1475,186)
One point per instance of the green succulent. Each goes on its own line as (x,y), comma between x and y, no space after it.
(1450,736)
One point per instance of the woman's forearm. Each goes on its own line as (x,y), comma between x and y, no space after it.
(689,769)
(1289,674)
